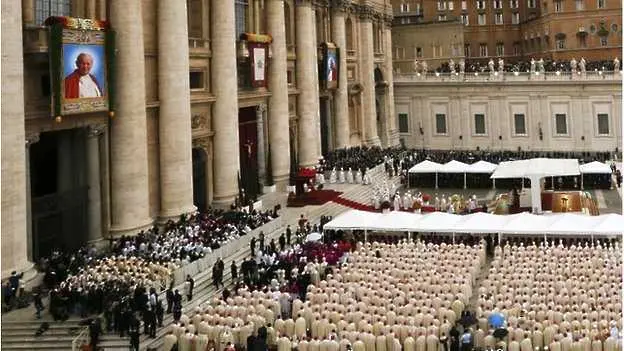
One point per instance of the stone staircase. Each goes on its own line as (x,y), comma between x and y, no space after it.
(20,334)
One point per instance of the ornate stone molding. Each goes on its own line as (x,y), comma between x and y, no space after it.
(96,130)
(387,19)
(260,109)
(340,5)
(199,121)
(366,12)
(321,3)
(32,138)
(203,143)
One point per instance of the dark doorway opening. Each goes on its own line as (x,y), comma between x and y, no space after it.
(248,145)
(325,125)
(59,195)
(199,179)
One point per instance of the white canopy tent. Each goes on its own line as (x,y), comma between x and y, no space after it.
(481,167)
(426,166)
(595,167)
(535,169)
(454,166)
(566,224)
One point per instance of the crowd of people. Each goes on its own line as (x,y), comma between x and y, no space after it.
(124,281)
(472,66)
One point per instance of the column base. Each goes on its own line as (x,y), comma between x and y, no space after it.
(281,183)
(174,215)
(116,230)
(374,141)
(223,202)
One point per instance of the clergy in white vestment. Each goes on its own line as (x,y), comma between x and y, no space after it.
(169,341)
(350,176)
(333,176)
(341,176)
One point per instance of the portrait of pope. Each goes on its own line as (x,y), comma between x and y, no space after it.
(81,83)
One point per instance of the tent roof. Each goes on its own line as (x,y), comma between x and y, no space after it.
(537,167)
(568,224)
(481,167)
(426,166)
(353,219)
(454,167)
(595,167)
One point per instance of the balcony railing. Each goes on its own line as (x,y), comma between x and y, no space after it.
(506,76)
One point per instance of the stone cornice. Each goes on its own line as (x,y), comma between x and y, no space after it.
(321,3)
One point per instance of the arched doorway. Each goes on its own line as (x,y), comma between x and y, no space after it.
(200,192)
(59,192)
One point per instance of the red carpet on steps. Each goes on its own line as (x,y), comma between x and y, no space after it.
(354,205)
(315,197)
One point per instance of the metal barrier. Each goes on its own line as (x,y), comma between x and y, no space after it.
(81,339)
(207,261)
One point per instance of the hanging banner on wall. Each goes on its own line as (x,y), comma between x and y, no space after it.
(330,65)
(80,65)
(258,46)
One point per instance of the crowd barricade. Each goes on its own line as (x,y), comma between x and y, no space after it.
(205,263)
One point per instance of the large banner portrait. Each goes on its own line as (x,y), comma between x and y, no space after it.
(330,66)
(79,64)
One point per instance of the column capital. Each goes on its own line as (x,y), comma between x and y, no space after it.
(366,12)
(260,109)
(388,19)
(203,143)
(303,3)
(32,138)
(340,6)
(96,130)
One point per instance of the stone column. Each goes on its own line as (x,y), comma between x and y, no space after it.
(101,9)
(28,12)
(94,212)
(225,107)
(13,211)
(307,83)
(90,9)
(341,96)
(278,102)
(391,122)
(130,208)
(260,109)
(174,124)
(369,110)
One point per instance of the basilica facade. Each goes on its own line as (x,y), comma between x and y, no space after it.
(195,118)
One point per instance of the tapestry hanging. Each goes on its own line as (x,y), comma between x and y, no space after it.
(81,65)
(330,66)
(258,46)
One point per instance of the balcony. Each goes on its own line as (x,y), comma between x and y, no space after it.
(199,46)
(35,40)
(417,13)
(481,77)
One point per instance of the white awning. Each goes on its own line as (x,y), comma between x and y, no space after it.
(454,167)
(595,168)
(568,224)
(482,167)
(426,166)
(537,167)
